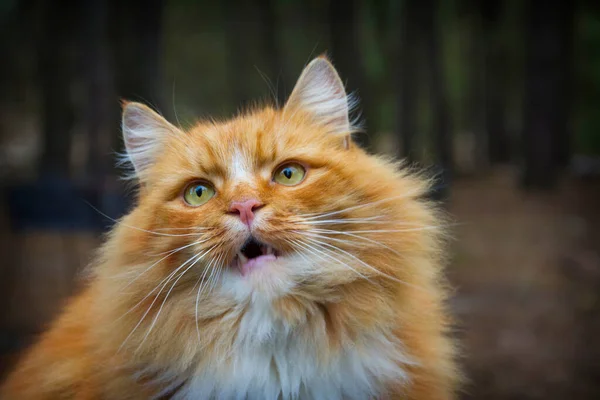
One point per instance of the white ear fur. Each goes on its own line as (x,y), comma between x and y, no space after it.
(320,91)
(143,134)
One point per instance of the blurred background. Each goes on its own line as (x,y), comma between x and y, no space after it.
(500,99)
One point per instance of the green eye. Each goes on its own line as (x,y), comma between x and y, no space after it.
(197,194)
(289,174)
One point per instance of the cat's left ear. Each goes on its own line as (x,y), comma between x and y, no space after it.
(144,134)
(320,92)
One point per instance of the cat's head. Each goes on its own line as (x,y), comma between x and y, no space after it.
(273,204)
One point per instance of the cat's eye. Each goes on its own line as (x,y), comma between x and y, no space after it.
(198,193)
(289,174)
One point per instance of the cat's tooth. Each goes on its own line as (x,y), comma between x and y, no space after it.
(243,259)
(269,250)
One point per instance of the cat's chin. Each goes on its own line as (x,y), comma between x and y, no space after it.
(265,277)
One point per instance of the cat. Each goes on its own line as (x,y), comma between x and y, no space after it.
(267,257)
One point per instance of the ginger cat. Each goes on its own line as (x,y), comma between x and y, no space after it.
(268,257)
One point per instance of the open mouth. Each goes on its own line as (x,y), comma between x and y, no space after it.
(254,254)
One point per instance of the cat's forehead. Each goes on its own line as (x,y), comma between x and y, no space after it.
(236,148)
(238,141)
(240,148)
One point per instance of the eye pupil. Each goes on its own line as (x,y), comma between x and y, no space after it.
(287,172)
(199,190)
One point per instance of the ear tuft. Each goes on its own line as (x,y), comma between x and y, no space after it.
(320,91)
(144,131)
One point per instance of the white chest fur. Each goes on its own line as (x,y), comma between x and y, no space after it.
(270,361)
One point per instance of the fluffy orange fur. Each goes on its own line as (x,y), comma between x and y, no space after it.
(359,256)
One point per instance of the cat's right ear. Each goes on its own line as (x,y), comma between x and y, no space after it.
(144,132)
(320,92)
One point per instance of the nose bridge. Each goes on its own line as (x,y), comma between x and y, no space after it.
(241,174)
(243,191)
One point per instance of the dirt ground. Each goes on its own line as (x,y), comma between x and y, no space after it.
(527,276)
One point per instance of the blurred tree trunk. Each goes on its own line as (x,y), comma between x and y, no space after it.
(17,32)
(345,51)
(476,110)
(495,82)
(408,79)
(546,111)
(56,74)
(439,102)
(101,113)
(567,61)
(270,30)
(238,23)
(421,31)
(136,38)
(17,41)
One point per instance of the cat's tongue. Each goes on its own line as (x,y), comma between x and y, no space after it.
(247,265)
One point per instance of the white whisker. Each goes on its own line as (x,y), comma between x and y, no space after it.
(168,251)
(214,282)
(423,228)
(162,259)
(352,234)
(336,249)
(311,249)
(198,295)
(356,221)
(198,229)
(210,287)
(338,240)
(317,215)
(121,223)
(208,266)
(168,293)
(166,281)
(171,274)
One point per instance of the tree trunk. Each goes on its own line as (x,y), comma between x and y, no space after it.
(476,110)
(344,34)
(566,66)
(545,116)
(136,38)
(439,103)
(238,22)
(101,113)
(495,83)
(56,73)
(408,80)
(269,21)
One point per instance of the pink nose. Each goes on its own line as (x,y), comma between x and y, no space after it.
(245,209)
